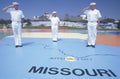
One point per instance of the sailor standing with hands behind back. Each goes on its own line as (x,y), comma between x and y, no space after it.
(93,18)
(17,17)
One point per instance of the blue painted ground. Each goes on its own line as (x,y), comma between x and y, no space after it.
(40,58)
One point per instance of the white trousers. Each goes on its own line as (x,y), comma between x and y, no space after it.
(16,27)
(92,32)
(54,32)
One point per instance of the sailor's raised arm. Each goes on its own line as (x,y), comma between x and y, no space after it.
(48,16)
(7,7)
(87,8)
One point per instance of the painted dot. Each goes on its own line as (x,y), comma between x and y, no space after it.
(70,58)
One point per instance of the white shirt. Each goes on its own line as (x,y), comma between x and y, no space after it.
(54,20)
(16,15)
(93,15)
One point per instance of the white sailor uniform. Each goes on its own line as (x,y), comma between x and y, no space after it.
(16,16)
(92,18)
(54,26)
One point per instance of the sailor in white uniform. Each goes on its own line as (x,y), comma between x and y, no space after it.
(17,17)
(55,23)
(93,18)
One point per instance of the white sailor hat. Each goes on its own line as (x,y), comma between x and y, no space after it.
(93,3)
(54,12)
(15,3)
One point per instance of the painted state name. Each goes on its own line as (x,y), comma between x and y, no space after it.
(74,71)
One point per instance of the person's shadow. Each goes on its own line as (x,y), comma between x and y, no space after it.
(28,43)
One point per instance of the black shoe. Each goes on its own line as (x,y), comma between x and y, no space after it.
(88,45)
(93,46)
(54,40)
(19,45)
(16,46)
